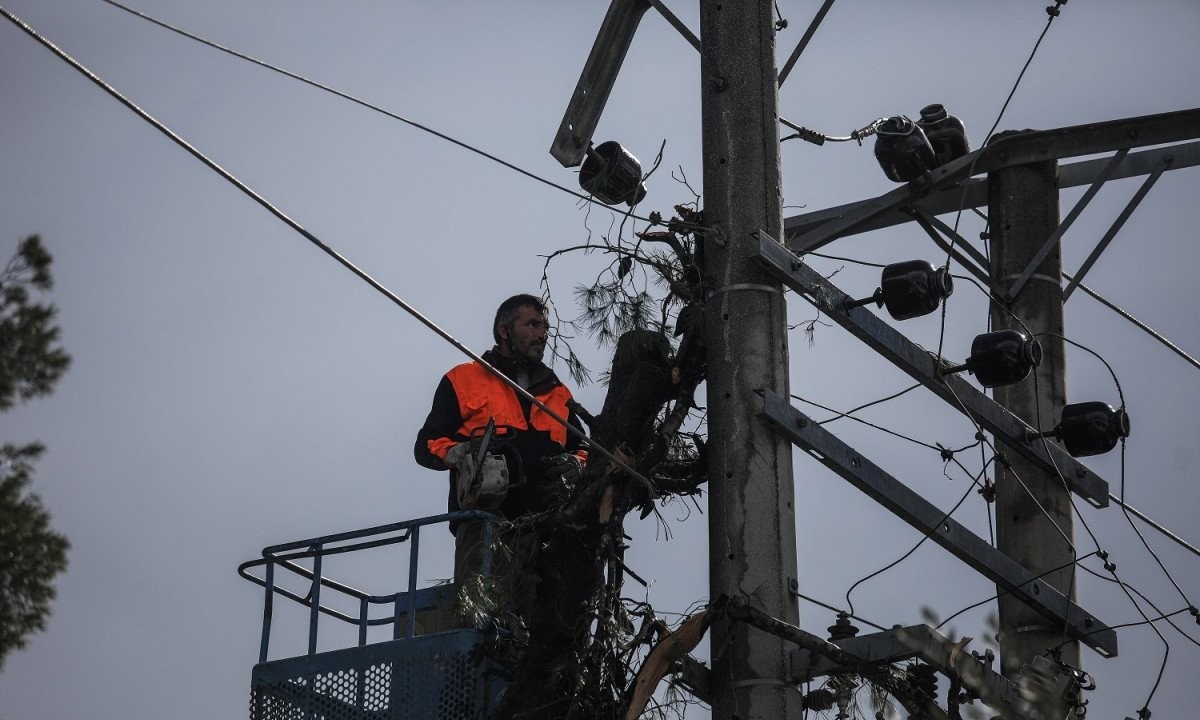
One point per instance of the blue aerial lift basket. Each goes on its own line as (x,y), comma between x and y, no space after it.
(429,669)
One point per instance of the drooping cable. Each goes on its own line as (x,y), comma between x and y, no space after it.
(287,220)
(1138,323)
(363,103)
(1125,512)
(1002,593)
(864,406)
(1148,601)
(925,536)
(849,615)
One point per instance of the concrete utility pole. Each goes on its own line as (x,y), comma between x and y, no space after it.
(752,539)
(1023,212)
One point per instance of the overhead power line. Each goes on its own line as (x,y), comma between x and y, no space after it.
(1140,325)
(396,299)
(363,103)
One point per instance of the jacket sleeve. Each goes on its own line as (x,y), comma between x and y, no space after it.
(440,431)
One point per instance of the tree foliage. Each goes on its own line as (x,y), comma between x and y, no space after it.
(31,362)
(31,553)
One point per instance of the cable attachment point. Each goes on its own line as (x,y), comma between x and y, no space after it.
(1055,11)
(988,491)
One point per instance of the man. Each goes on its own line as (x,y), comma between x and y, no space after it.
(537,448)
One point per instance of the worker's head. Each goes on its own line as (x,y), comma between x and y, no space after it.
(520,328)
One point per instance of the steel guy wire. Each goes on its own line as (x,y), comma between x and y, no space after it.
(1137,323)
(366,104)
(287,220)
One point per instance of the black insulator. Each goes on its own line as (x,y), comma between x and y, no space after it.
(902,149)
(1000,358)
(923,678)
(612,174)
(1091,428)
(910,289)
(842,629)
(914,288)
(946,134)
(819,699)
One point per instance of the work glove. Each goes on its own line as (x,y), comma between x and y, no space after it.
(461,457)
(565,466)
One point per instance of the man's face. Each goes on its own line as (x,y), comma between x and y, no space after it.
(527,337)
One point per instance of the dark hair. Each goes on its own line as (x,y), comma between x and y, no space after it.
(506,314)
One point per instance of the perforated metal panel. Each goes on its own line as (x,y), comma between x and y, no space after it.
(431,677)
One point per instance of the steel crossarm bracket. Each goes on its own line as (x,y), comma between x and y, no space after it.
(597,80)
(931,225)
(951,187)
(930,520)
(926,643)
(1072,216)
(924,367)
(1116,226)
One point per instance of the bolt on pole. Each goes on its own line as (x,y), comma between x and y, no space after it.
(1034,520)
(752,538)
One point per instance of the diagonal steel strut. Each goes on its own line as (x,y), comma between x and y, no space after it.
(924,367)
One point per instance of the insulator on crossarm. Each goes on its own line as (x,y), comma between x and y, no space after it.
(1000,358)
(910,289)
(1089,428)
(842,629)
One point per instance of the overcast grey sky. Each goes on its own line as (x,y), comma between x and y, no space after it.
(234,388)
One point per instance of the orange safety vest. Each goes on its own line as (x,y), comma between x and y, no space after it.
(482,396)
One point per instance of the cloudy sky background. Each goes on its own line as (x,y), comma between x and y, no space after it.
(234,388)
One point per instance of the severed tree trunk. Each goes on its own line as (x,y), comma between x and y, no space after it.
(585,540)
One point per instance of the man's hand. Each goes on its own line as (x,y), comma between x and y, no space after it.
(461,457)
(565,466)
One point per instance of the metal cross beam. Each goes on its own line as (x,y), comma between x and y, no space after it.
(1117,225)
(950,187)
(951,535)
(597,80)
(923,367)
(921,641)
(1053,241)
